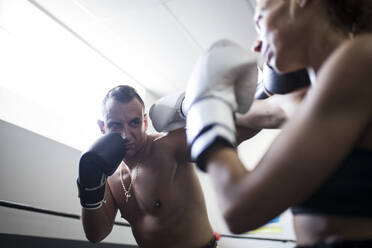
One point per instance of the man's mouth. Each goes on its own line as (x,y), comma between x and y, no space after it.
(129,146)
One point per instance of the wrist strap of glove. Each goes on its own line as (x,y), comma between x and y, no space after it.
(91,198)
(201,146)
(208,121)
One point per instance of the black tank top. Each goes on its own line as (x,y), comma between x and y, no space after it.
(348,191)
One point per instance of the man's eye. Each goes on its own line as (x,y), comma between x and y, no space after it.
(135,122)
(114,125)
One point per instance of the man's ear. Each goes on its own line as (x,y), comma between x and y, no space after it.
(101,126)
(146,121)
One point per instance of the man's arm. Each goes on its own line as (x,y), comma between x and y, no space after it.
(98,223)
(266,112)
(277,97)
(269,113)
(261,115)
(174,142)
(95,165)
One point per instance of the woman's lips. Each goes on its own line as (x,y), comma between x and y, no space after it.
(262,48)
(257,46)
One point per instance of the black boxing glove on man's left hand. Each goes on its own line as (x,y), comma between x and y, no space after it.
(95,165)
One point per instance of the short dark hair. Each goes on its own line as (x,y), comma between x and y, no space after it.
(121,93)
(351,16)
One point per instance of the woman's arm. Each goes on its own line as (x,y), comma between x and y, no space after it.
(310,146)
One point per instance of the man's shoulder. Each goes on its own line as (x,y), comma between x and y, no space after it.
(156,136)
(168,140)
(167,136)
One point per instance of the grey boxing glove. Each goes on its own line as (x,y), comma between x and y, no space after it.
(167,113)
(222,82)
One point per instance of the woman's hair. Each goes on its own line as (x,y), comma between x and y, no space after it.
(349,16)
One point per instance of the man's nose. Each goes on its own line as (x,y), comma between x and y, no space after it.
(125,134)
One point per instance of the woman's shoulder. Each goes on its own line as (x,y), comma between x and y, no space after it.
(352,59)
(348,71)
(358,50)
(364,41)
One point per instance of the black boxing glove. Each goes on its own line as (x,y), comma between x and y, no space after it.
(96,164)
(276,83)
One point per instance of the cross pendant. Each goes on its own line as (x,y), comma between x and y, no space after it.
(127,196)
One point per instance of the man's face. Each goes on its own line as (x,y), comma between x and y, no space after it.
(129,120)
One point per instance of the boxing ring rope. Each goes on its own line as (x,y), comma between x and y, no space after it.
(257,238)
(19,206)
(25,207)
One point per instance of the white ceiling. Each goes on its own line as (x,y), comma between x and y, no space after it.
(154,42)
(58,58)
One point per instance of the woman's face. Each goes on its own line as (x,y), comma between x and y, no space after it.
(278,34)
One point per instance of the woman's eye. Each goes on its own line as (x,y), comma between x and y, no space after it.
(258,22)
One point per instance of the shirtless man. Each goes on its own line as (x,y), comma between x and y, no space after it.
(149,180)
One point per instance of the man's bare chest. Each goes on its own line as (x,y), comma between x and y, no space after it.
(148,193)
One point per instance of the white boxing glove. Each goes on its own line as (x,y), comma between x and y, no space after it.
(222,82)
(167,113)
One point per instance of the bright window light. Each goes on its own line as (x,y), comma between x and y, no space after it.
(51,82)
